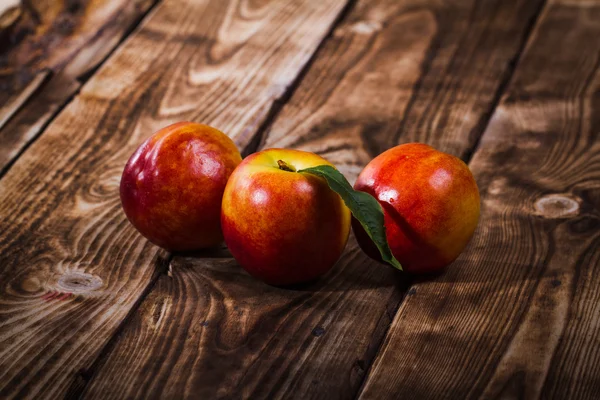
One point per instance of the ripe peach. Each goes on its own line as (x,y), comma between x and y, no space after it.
(172,186)
(430,202)
(282,226)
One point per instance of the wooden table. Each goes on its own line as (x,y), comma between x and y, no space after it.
(89,308)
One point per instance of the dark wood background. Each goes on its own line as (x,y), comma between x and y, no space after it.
(89,308)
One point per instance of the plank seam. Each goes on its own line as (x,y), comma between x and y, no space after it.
(22,150)
(513,64)
(34,87)
(84,377)
(375,344)
(258,140)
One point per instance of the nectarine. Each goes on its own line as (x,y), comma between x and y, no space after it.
(282,226)
(172,186)
(430,202)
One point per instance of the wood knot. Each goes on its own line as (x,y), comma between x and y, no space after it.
(79,282)
(557,206)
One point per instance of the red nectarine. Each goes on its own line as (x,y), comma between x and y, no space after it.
(430,202)
(172,186)
(282,226)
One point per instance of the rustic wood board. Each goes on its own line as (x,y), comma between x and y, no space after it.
(46,55)
(518,315)
(208,329)
(72,267)
(212,331)
(416,74)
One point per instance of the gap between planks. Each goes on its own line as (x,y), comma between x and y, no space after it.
(258,140)
(513,64)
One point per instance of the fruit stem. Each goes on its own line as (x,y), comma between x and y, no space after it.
(285,166)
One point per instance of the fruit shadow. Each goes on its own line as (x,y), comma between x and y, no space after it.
(405,278)
(353,271)
(219,251)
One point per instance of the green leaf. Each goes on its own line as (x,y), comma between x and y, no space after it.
(365,208)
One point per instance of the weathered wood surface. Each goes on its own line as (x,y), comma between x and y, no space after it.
(72,267)
(416,75)
(46,54)
(518,315)
(212,331)
(209,330)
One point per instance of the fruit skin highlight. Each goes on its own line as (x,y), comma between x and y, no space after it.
(172,186)
(282,226)
(430,201)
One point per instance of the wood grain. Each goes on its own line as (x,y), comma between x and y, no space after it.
(517,316)
(46,55)
(442,65)
(72,267)
(210,331)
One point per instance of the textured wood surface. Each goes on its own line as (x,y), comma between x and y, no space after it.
(222,334)
(46,54)
(72,267)
(209,330)
(518,315)
(415,73)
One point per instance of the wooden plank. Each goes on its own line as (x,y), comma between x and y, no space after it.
(211,331)
(49,51)
(518,314)
(50,35)
(72,267)
(440,91)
